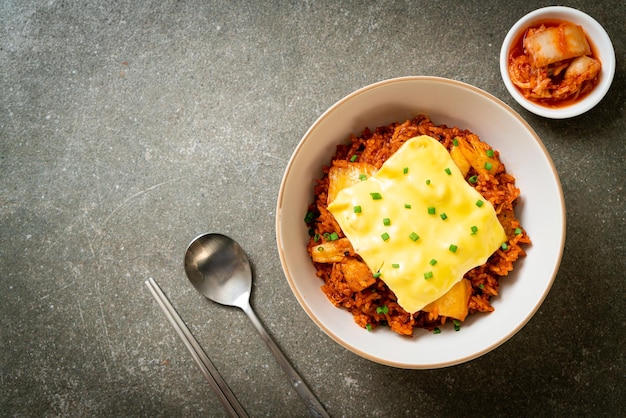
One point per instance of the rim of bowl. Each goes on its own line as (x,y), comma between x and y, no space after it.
(599,38)
(301,298)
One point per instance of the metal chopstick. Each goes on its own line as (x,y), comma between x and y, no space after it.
(217,383)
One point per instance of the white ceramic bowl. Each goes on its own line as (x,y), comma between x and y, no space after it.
(541,210)
(600,42)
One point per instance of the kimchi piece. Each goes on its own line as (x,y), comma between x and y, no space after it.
(554,64)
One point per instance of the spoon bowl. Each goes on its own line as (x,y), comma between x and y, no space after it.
(218,268)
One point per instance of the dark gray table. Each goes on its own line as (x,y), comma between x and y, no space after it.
(129,127)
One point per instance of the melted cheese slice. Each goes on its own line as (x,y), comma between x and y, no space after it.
(383,228)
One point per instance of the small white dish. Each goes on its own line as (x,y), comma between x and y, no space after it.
(541,210)
(601,43)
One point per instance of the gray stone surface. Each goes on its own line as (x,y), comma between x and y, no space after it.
(129,127)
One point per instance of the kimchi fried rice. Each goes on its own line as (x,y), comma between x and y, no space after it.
(371,302)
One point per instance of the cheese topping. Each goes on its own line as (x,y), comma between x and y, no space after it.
(418,223)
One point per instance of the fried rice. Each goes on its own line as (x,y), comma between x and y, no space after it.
(376,305)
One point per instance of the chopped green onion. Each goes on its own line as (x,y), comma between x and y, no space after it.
(362,177)
(407,206)
(448,171)
(436,330)
(455,142)
(488,165)
(474,230)
(414,236)
(326,236)
(431,210)
(406,170)
(316,237)
(457,325)
(443,216)
(320,248)
(368,327)
(432,262)
(376,275)
(382,309)
(428,182)
(490,153)
(357,209)
(473,179)
(376,196)
(453,248)
(518,231)
(334,236)
(386,221)
(504,246)
(428,275)
(481,286)
(479,203)
(309,217)
(353,158)
(395,265)
(385,236)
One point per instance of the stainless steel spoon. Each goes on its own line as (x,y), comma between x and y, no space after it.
(218,268)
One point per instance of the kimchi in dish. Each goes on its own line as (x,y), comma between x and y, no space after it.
(553,63)
(413,226)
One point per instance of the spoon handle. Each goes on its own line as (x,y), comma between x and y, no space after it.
(315,407)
